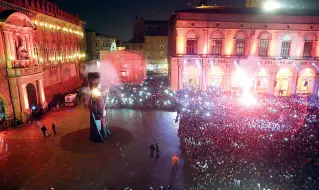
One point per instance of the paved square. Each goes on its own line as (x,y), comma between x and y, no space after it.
(69,160)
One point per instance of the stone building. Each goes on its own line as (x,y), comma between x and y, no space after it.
(39,54)
(150,37)
(271,52)
(96,42)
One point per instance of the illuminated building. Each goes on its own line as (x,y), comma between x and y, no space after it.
(96,42)
(276,50)
(151,38)
(40,53)
(122,67)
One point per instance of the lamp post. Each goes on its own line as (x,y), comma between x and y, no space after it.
(99,131)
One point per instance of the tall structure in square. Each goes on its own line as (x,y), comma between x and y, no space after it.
(40,54)
(274,52)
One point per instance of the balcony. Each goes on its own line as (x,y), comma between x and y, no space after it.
(19,72)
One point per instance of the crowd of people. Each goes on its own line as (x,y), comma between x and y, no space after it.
(152,93)
(272,144)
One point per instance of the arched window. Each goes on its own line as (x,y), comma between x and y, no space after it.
(263,44)
(36,53)
(191,43)
(240,44)
(285,46)
(216,43)
(309,45)
(62,54)
(54,54)
(46,54)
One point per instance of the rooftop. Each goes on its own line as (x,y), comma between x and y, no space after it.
(250,11)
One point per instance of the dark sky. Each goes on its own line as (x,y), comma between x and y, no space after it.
(114,17)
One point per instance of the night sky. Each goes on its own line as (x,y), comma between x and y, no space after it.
(114,17)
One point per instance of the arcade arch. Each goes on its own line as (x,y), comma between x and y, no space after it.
(261,81)
(32,95)
(283,82)
(3,105)
(306,81)
(192,77)
(215,76)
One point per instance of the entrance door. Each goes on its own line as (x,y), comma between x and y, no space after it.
(2,109)
(32,96)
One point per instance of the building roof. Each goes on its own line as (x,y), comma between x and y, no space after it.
(250,11)
(99,34)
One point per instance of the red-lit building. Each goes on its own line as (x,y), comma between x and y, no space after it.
(273,52)
(40,53)
(122,66)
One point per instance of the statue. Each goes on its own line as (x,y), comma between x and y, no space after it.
(99,131)
(22,51)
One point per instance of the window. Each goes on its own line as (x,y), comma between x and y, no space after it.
(216,46)
(36,52)
(285,48)
(161,46)
(46,55)
(161,40)
(307,51)
(54,54)
(62,55)
(161,53)
(263,47)
(191,46)
(240,46)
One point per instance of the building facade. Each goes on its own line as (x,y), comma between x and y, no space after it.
(151,38)
(40,54)
(96,42)
(275,53)
(155,52)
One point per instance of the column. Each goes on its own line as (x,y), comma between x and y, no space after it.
(24,97)
(228,76)
(294,82)
(31,53)
(41,90)
(272,79)
(204,73)
(8,49)
(180,75)
(27,39)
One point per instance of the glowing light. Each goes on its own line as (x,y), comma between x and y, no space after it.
(271,5)
(253,49)
(96,93)
(180,46)
(228,51)
(247,99)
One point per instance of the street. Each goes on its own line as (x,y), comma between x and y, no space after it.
(68,160)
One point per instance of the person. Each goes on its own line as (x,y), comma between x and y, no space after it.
(157,150)
(152,148)
(58,106)
(53,128)
(175,161)
(44,129)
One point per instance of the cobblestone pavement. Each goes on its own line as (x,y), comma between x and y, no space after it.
(68,160)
